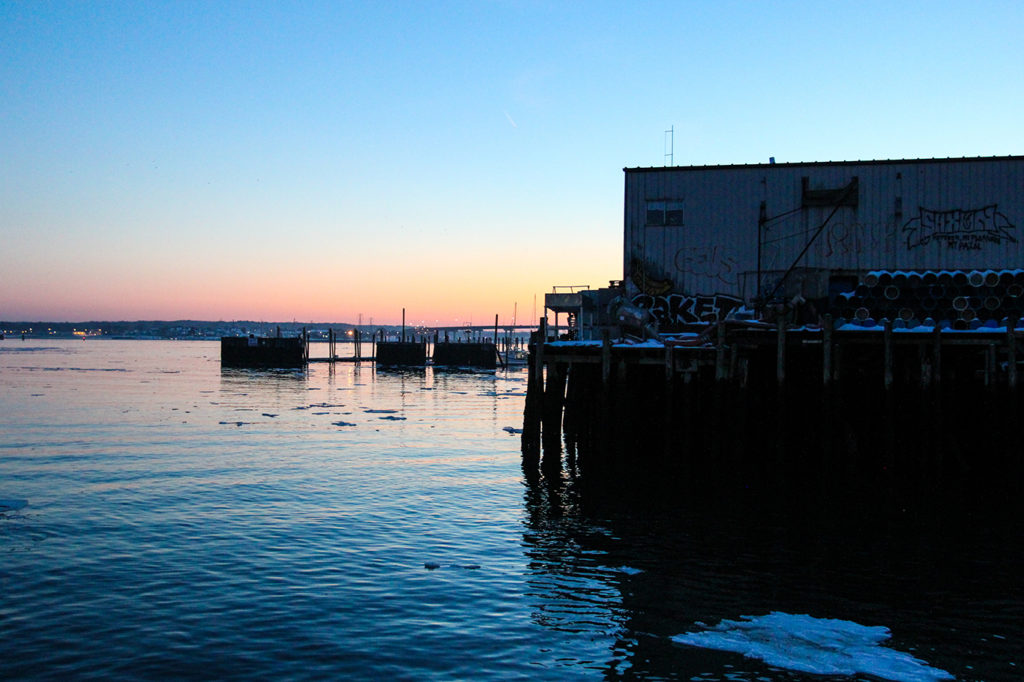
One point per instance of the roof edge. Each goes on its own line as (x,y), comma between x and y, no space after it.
(795,164)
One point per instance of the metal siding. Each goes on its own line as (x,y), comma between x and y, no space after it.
(718,242)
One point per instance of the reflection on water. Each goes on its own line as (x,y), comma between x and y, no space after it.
(175,520)
(636,572)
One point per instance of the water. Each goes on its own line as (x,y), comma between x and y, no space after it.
(160,517)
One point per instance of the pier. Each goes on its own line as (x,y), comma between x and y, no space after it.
(477,347)
(838,412)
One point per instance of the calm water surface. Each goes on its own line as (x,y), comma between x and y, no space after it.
(160,517)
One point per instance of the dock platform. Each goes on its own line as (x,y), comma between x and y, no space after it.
(844,411)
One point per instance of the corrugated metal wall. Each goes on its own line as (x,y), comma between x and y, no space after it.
(953,214)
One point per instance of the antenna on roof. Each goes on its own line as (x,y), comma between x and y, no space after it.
(670,143)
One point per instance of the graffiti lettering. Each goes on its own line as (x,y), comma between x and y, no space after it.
(706,263)
(685,309)
(959,229)
(841,239)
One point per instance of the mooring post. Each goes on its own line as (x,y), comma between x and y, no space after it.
(887,344)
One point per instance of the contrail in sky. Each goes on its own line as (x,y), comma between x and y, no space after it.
(510,120)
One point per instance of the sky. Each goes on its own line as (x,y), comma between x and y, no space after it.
(325,160)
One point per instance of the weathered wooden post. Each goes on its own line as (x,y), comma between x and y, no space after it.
(720,357)
(890,406)
(926,368)
(1011,353)
(780,352)
(990,365)
(604,431)
(551,430)
(533,410)
(826,351)
(887,350)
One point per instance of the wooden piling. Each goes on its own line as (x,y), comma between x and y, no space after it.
(606,356)
(826,351)
(721,369)
(532,410)
(780,352)
(926,368)
(551,428)
(1011,353)
(538,359)
(887,350)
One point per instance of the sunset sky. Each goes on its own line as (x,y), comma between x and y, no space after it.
(318,160)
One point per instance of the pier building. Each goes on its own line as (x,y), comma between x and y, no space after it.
(843,327)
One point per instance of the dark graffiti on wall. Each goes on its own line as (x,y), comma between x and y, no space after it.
(713,263)
(647,278)
(686,309)
(961,230)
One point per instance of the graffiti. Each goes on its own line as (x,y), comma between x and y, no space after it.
(712,264)
(841,239)
(961,230)
(640,272)
(687,309)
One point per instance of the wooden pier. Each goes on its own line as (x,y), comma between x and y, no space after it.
(844,413)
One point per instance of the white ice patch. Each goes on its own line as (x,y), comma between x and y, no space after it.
(821,646)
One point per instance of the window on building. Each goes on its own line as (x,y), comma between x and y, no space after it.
(664,213)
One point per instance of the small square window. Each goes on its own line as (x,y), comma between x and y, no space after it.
(656,213)
(664,213)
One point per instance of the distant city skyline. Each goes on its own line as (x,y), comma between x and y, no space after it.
(264,160)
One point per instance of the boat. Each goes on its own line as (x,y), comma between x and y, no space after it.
(515,356)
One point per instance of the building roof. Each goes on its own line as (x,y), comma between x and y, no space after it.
(878,162)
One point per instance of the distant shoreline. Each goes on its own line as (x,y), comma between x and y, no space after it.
(173,329)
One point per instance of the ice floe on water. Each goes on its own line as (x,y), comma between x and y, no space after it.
(821,646)
(434,565)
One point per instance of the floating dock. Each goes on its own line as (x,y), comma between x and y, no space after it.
(260,351)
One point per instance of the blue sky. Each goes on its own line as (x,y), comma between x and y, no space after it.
(234,160)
